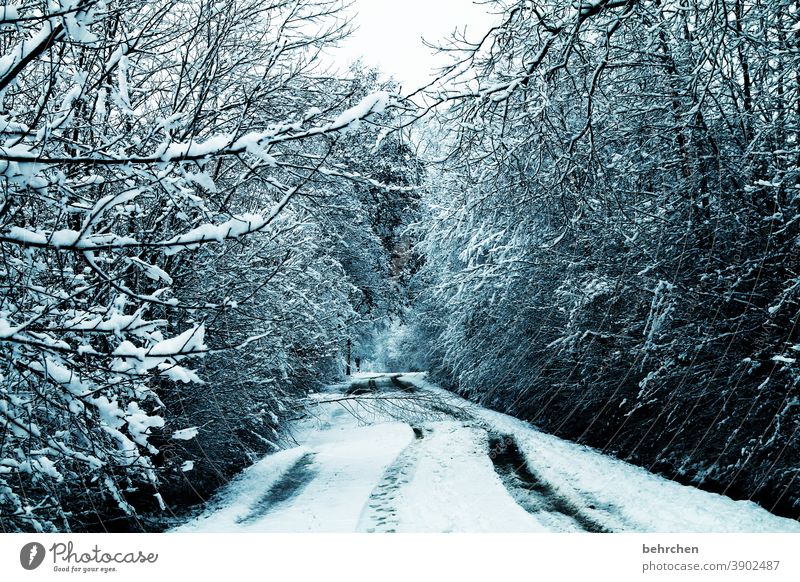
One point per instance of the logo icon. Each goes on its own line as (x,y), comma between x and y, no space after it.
(31,555)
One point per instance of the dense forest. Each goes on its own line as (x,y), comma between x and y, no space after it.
(588,220)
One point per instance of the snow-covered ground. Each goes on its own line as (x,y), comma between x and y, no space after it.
(395,453)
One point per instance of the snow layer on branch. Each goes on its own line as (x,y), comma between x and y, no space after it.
(9,13)
(179,373)
(194,149)
(152,271)
(47,467)
(112,417)
(250,143)
(185,434)
(109,201)
(77,21)
(140,423)
(24,49)
(116,322)
(233,228)
(372,103)
(139,360)
(65,238)
(24,235)
(110,413)
(6,329)
(22,174)
(202,179)
(61,375)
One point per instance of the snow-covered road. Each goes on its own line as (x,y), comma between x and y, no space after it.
(393,453)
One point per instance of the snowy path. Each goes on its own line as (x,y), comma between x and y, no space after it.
(391,453)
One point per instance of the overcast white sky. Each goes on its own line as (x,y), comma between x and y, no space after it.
(390,31)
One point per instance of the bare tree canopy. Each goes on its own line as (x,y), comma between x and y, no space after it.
(588,220)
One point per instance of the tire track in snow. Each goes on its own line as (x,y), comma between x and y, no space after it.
(287,487)
(531,492)
(367,387)
(402,385)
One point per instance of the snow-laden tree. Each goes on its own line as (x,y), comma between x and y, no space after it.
(157,164)
(610,246)
(296,299)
